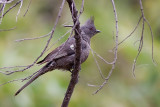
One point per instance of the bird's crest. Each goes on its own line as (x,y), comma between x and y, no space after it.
(90,21)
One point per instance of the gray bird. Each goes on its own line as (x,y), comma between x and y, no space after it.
(63,56)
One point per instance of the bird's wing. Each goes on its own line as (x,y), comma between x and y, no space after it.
(66,49)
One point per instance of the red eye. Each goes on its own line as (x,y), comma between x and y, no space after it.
(91,28)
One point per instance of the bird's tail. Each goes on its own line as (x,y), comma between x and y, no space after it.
(42,71)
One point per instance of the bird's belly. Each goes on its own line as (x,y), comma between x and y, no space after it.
(65,63)
(84,55)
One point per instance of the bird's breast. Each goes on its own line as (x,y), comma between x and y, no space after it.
(85,51)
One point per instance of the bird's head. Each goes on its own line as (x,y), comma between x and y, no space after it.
(89,28)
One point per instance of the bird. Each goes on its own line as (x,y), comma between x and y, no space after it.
(63,56)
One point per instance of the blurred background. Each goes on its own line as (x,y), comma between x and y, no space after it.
(122,90)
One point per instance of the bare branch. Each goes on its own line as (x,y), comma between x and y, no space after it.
(115,51)
(59,39)
(68,25)
(99,69)
(152,42)
(7,29)
(20,40)
(77,63)
(19,10)
(12,67)
(106,80)
(139,49)
(101,57)
(10,81)
(90,85)
(1,8)
(141,40)
(27,8)
(22,79)
(46,46)
(4,5)
(6,1)
(10,9)
(131,32)
(116,25)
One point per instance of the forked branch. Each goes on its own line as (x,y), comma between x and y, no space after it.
(115,50)
(141,39)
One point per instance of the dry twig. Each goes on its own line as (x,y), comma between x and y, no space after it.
(10,9)
(20,40)
(27,8)
(141,39)
(131,32)
(1,30)
(2,12)
(47,44)
(19,10)
(115,51)
(97,64)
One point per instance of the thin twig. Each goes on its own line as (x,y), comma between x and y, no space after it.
(106,80)
(90,85)
(131,32)
(10,8)
(115,51)
(7,29)
(139,50)
(154,62)
(68,25)
(12,67)
(4,5)
(46,46)
(19,10)
(1,7)
(101,57)
(10,81)
(7,1)
(30,76)
(136,42)
(141,40)
(27,8)
(97,64)
(67,22)
(58,39)
(22,79)
(20,40)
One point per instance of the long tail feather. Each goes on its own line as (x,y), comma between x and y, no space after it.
(40,72)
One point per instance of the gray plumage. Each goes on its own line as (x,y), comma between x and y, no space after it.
(63,56)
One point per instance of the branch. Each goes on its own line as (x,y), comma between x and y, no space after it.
(7,29)
(20,40)
(19,10)
(141,39)
(97,64)
(27,8)
(6,1)
(47,44)
(115,51)
(2,11)
(131,32)
(10,8)
(77,63)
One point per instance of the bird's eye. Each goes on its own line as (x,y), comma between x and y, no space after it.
(91,28)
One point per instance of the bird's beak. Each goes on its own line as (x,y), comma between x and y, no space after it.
(98,31)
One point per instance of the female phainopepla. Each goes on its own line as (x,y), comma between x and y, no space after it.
(63,56)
